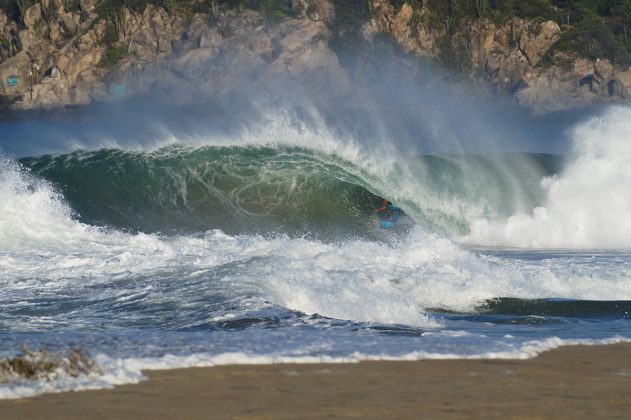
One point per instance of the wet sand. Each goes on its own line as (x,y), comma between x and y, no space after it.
(576,382)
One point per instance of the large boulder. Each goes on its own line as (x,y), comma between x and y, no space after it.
(537,39)
(191,64)
(546,94)
(4,19)
(151,34)
(8,41)
(33,16)
(239,50)
(305,54)
(623,78)
(603,69)
(87,41)
(69,22)
(412,36)
(24,38)
(486,43)
(583,67)
(317,10)
(88,6)
(16,78)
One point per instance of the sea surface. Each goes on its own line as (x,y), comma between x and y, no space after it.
(261,246)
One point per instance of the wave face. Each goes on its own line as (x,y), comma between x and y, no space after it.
(236,189)
(283,189)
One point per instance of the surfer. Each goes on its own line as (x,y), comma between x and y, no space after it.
(387,207)
(386,203)
(388,214)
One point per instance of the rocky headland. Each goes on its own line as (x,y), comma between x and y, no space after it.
(59,54)
(507,58)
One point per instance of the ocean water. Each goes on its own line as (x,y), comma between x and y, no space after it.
(206,249)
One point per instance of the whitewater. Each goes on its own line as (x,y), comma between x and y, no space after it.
(200,249)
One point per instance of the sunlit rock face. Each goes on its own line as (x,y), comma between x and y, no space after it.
(58,57)
(68,59)
(510,57)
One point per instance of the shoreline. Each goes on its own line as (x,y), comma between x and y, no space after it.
(571,381)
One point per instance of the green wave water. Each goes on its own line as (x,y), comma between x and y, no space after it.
(283,189)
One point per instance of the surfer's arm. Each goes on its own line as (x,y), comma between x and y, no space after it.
(385,206)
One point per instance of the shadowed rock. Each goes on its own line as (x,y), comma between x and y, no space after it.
(46,365)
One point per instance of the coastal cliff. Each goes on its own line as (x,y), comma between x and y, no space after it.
(509,57)
(57,53)
(51,63)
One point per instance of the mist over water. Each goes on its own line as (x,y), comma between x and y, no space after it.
(239,228)
(391,105)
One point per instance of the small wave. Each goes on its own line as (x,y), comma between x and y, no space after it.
(566,308)
(130,370)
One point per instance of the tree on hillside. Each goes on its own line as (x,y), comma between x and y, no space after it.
(481,6)
(623,10)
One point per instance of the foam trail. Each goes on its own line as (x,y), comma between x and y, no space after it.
(587,206)
(130,370)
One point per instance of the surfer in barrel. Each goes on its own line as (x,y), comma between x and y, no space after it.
(387,208)
(388,214)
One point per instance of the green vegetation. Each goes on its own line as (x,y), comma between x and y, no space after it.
(10,8)
(349,16)
(275,10)
(111,38)
(15,9)
(591,28)
(112,55)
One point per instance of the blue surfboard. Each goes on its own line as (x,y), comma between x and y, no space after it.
(389,222)
(389,219)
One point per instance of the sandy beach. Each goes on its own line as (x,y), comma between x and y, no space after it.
(577,382)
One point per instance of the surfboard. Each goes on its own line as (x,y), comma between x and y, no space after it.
(389,220)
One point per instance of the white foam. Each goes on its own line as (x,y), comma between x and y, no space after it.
(42,247)
(114,372)
(587,206)
(130,370)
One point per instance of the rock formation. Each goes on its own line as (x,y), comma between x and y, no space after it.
(54,59)
(46,365)
(240,48)
(510,58)
(72,58)
(58,57)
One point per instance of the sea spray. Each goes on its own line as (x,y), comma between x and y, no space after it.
(587,206)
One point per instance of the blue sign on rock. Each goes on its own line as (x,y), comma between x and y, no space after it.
(118,90)
(13,81)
